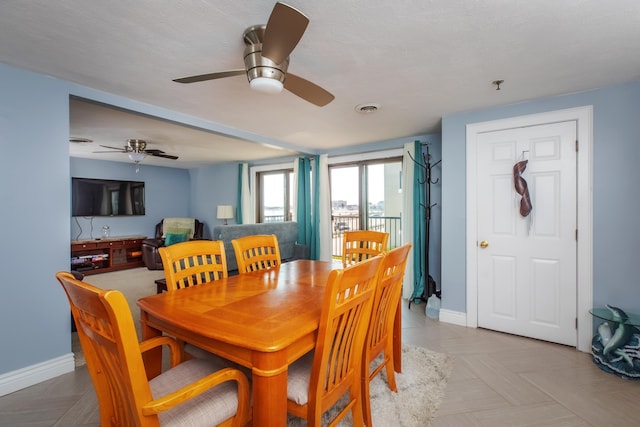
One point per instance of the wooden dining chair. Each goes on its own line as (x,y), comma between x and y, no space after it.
(319,379)
(196,392)
(258,252)
(379,340)
(193,263)
(359,245)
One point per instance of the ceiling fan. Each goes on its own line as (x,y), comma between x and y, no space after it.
(266,57)
(136,149)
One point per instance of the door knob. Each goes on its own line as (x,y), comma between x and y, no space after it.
(484,244)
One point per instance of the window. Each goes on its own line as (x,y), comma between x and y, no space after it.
(275,196)
(366,196)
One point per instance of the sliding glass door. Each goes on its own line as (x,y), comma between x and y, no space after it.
(366,196)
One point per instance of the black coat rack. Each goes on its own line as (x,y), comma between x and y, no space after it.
(425,179)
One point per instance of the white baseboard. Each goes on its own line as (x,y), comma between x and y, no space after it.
(34,374)
(453,317)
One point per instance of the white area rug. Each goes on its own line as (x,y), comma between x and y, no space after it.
(420,389)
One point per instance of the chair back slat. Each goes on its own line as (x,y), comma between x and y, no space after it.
(110,344)
(193,263)
(341,337)
(386,301)
(190,392)
(360,245)
(387,296)
(257,252)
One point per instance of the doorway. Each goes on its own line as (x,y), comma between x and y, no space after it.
(507,308)
(527,257)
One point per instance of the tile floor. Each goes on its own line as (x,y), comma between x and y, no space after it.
(497,380)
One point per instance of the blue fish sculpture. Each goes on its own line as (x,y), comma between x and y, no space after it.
(621,335)
(604,333)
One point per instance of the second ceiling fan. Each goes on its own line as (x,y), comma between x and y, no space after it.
(266,57)
(137,149)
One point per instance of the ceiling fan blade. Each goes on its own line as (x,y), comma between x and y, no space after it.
(284,30)
(119,151)
(210,76)
(161,154)
(114,148)
(306,90)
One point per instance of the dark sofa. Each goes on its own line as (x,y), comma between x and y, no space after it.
(150,254)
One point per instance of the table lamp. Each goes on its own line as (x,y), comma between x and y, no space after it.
(225,212)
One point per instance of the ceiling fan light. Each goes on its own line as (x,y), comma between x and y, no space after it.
(266,85)
(136,157)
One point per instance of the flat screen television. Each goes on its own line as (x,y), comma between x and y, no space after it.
(106,197)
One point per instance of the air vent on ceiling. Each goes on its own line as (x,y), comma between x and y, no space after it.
(367,108)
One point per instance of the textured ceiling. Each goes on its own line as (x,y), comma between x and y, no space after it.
(418,59)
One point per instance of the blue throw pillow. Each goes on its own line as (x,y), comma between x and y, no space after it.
(172,238)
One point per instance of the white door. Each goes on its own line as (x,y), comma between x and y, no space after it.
(527,265)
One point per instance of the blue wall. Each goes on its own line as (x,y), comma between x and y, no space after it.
(34,170)
(616,229)
(34,118)
(169,192)
(213,186)
(34,134)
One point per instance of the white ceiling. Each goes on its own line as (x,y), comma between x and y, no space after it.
(418,59)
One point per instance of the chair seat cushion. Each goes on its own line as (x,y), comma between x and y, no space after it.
(199,353)
(298,379)
(209,408)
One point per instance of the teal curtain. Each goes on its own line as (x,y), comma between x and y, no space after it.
(239,204)
(419,225)
(308,205)
(314,244)
(303,204)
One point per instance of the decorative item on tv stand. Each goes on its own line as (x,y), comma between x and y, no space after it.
(105,232)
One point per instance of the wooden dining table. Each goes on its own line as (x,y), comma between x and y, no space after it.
(263,320)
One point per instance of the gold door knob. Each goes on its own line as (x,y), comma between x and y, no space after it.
(484,244)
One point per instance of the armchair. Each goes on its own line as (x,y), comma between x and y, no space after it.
(193,392)
(151,256)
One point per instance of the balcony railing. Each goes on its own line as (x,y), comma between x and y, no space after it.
(340,224)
